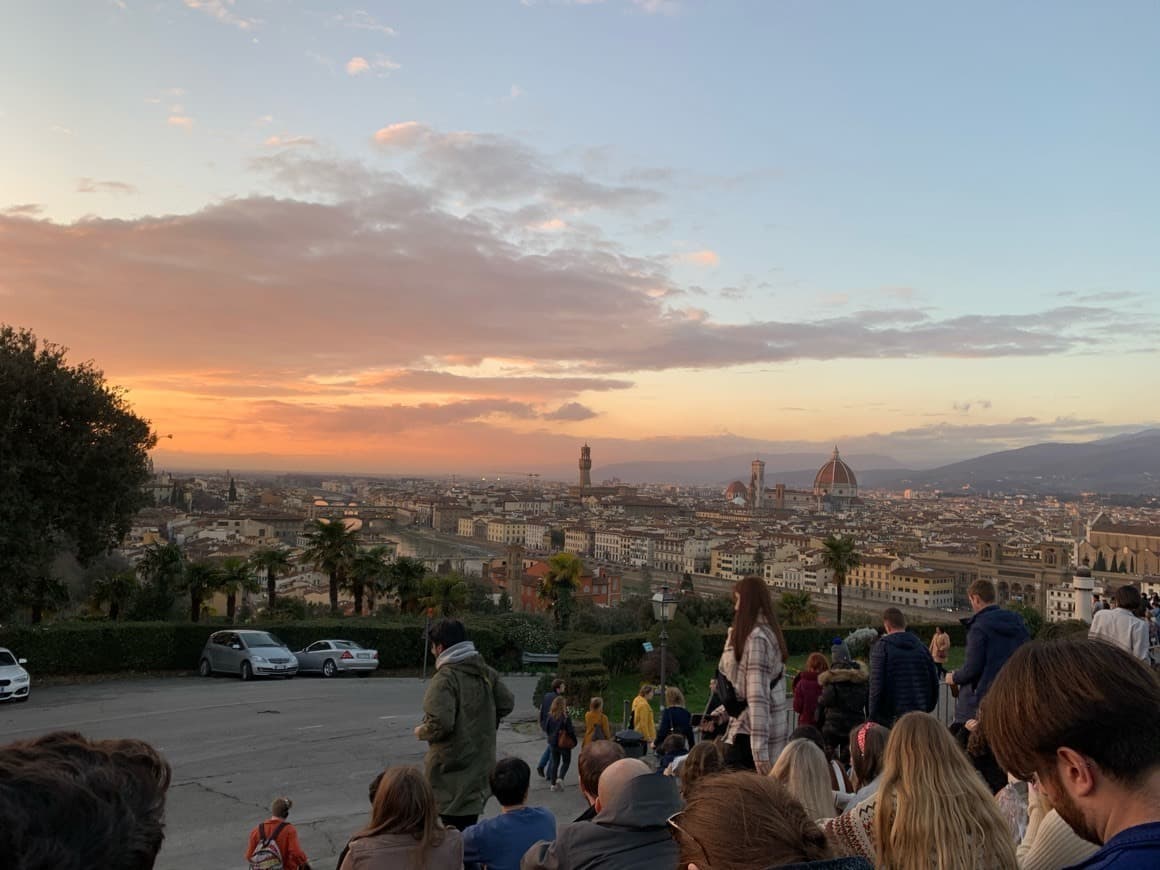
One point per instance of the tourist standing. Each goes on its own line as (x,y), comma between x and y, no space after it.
(276,840)
(551,695)
(562,738)
(903,676)
(596,724)
(753,663)
(642,713)
(842,705)
(462,709)
(807,690)
(675,719)
(1123,625)
(940,648)
(993,635)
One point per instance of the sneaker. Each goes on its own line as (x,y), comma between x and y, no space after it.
(557,786)
(540,771)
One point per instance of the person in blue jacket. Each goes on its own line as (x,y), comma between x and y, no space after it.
(903,676)
(993,635)
(545,705)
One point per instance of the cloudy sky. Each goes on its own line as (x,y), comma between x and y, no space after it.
(468,236)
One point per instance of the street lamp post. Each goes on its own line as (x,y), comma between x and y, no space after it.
(664,607)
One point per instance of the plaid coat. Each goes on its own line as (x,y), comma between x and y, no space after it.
(765,719)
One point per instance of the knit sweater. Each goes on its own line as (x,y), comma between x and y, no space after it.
(1049,842)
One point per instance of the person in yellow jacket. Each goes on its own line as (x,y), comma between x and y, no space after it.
(596,724)
(642,714)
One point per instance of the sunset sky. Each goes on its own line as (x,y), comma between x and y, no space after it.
(469,236)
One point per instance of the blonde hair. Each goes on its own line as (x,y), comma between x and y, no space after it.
(596,704)
(802,768)
(646,690)
(674,697)
(559,707)
(933,809)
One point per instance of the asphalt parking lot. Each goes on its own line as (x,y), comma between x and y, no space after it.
(235,746)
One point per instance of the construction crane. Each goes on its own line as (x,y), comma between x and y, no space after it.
(530,475)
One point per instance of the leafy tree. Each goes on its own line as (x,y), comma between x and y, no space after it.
(505,602)
(116,590)
(237,576)
(707,612)
(331,547)
(684,641)
(479,599)
(1032,618)
(199,580)
(369,576)
(797,608)
(559,585)
(839,555)
(274,563)
(74,461)
(445,594)
(406,578)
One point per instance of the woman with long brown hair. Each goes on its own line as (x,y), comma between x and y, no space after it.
(753,665)
(404,832)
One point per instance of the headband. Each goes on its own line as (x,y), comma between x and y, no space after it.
(866,726)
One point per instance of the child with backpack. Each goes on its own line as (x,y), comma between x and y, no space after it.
(596,725)
(274,843)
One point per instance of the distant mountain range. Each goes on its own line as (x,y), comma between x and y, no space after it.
(1125,464)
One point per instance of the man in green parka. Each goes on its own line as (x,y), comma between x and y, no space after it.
(462,709)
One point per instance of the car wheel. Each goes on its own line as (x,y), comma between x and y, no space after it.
(205,668)
(247,672)
(329,668)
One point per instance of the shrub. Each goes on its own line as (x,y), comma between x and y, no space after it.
(684,642)
(1032,618)
(1067,628)
(526,632)
(860,640)
(650,666)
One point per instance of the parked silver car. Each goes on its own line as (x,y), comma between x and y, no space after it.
(15,683)
(248,654)
(333,657)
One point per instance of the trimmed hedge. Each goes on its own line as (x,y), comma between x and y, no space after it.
(97,648)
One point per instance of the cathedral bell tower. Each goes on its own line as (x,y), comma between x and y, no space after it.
(585,466)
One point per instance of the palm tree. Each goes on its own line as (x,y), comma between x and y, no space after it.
(564,572)
(161,564)
(274,562)
(331,548)
(406,578)
(839,555)
(369,574)
(115,590)
(797,608)
(237,575)
(200,580)
(446,595)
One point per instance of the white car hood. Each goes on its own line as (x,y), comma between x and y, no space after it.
(11,672)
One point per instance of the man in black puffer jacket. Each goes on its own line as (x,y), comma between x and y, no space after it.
(842,706)
(903,676)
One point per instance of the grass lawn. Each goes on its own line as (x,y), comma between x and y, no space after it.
(624,687)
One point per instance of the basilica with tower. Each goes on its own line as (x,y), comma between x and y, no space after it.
(835,488)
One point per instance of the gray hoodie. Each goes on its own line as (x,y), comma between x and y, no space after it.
(629,833)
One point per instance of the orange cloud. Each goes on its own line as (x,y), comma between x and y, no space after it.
(703,257)
(183,121)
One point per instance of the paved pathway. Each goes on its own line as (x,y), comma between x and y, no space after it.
(234,746)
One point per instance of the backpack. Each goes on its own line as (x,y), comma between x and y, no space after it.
(727,693)
(267,855)
(598,732)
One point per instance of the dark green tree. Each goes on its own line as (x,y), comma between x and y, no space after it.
(116,590)
(687,582)
(556,536)
(445,594)
(74,460)
(273,563)
(199,581)
(559,586)
(840,556)
(369,576)
(406,578)
(331,548)
(797,608)
(237,577)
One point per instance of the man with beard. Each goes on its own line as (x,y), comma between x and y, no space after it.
(1080,719)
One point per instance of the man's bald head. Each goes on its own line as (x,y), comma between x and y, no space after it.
(594,760)
(616,777)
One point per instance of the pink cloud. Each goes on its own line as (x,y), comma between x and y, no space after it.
(182,121)
(703,257)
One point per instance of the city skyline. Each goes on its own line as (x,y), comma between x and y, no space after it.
(395,238)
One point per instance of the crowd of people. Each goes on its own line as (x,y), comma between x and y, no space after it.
(1053,762)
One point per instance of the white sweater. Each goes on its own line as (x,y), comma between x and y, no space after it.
(1049,844)
(1128,632)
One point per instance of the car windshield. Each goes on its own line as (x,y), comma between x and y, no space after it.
(346,644)
(260,638)
(6,658)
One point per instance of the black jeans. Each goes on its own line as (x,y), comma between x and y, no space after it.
(459,822)
(558,766)
(739,754)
